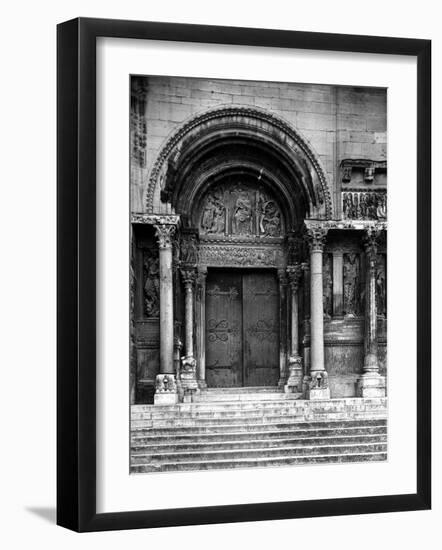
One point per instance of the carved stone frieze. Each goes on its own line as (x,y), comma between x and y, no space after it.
(156,219)
(364,205)
(241,256)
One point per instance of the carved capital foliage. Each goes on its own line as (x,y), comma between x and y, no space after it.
(165,234)
(189,275)
(315,237)
(294,273)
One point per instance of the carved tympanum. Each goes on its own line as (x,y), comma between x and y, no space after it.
(240,210)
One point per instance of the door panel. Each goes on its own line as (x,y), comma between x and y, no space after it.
(261,328)
(224,329)
(242,329)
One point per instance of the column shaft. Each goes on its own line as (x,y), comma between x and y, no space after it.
(166,311)
(316,312)
(201,330)
(189,317)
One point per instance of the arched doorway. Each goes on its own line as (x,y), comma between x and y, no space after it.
(234,187)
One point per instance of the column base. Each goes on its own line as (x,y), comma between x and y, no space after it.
(166,392)
(188,381)
(294,381)
(317,386)
(371,385)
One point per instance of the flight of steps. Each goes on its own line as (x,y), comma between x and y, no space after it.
(240,430)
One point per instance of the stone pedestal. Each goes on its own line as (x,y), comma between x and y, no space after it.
(165,390)
(318,388)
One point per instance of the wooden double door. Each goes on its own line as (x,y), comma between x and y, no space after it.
(242,328)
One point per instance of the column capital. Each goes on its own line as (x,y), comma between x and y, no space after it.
(189,275)
(294,273)
(165,234)
(315,236)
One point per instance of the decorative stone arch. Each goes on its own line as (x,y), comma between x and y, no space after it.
(177,172)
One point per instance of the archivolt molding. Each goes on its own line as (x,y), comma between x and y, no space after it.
(171,147)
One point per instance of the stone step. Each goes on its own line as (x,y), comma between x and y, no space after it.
(146,437)
(263,452)
(259,462)
(255,410)
(220,425)
(256,395)
(225,418)
(251,443)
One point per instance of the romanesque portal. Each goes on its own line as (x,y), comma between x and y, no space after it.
(257,263)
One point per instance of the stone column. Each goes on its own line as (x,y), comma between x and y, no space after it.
(338,282)
(188,362)
(282,279)
(294,380)
(371,383)
(319,388)
(165,386)
(201,327)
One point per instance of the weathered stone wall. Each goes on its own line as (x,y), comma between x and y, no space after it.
(339,122)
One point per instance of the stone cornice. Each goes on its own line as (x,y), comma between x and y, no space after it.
(155,219)
(358,225)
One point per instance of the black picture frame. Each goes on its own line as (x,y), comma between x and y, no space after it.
(76,274)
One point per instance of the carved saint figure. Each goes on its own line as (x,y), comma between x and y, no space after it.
(351,284)
(214,215)
(381,288)
(381,210)
(151,284)
(327,282)
(242,215)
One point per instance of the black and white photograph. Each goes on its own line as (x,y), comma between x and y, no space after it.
(258,274)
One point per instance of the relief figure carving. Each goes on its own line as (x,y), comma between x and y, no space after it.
(327,285)
(151,271)
(269,218)
(364,205)
(351,284)
(242,216)
(214,215)
(381,286)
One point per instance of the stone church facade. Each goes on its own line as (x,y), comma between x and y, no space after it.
(258,239)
